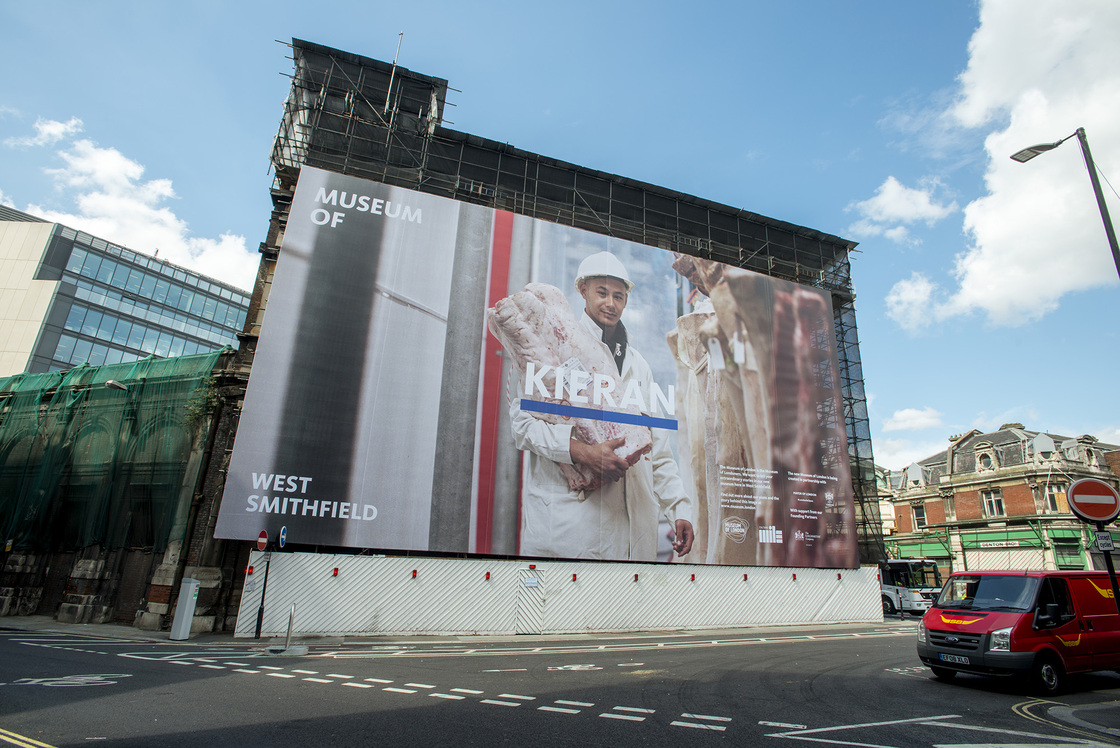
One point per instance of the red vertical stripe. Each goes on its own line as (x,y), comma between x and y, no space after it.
(493,397)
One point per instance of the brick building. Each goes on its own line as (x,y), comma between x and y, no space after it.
(998,500)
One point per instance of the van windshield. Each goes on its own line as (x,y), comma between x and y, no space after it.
(992,592)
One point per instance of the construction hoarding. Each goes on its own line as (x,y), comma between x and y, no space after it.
(425,364)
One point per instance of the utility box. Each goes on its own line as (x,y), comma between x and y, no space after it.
(184,609)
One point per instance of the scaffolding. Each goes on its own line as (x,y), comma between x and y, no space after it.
(375,120)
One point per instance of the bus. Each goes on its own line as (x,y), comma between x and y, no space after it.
(908,585)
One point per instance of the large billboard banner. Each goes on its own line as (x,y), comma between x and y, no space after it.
(433,375)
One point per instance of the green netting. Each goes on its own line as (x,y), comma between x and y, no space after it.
(83,463)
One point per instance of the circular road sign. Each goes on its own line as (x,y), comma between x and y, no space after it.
(1094,500)
(283,536)
(262,540)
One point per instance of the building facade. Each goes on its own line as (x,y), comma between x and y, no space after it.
(998,501)
(70,298)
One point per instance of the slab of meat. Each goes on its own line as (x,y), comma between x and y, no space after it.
(537,325)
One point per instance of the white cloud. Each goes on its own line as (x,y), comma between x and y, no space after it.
(895,206)
(909,419)
(896,454)
(5,200)
(909,302)
(47,132)
(113,202)
(1037,71)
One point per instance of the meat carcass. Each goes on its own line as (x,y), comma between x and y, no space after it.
(537,326)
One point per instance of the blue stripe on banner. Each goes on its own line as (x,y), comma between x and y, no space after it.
(572,411)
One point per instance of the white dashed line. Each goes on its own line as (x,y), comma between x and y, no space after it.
(466,690)
(419,685)
(573,703)
(377,680)
(697,725)
(238,664)
(338,675)
(245,670)
(686,715)
(213,667)
(400,690)
(500,703)
(306,672)
(633,709)
(560,709)
(270,667)
(319,680)
(281,675)
(182,662)
(357,685)
(515,696)
(447,696)
(632,718)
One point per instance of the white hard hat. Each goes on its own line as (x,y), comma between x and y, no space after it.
(603,264)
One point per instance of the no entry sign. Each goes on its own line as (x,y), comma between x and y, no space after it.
(262,540)
(1094,500)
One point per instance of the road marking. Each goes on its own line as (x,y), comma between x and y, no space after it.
(447,696)
(270,667)
(181,662)
(631,664)
(500,703)
(306,672)
(281,675)
(796,734)
(357,685)
(238,664)
(686,715)
(697,725)
(246,670)
(337,675)
(573,703)
(213,667)
(419,685)
(400,690)
(560,709)
(466,690)
(639,710)
(378,680)
(630,717)
(512,670)
(782,724)
(16,739)
(515,696)
(319,680)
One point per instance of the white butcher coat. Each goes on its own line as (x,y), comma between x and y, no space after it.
(617,521)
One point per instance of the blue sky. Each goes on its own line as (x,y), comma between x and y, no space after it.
(986,293)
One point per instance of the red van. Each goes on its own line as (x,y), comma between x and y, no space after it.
(1041,624)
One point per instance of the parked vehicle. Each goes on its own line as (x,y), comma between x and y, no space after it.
(1039,624)
(909,585)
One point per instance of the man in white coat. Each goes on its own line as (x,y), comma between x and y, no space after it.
(620,519)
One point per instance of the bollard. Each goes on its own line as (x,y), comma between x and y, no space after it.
(291,620)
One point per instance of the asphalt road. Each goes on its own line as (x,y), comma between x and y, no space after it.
(841,685)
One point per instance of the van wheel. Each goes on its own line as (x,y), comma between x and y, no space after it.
(1049,675)
(888,607)
(942,673)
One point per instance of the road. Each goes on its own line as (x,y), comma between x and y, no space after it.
(842,685)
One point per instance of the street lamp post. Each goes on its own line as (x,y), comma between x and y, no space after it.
(1028,153)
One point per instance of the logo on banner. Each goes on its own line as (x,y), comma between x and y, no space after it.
(769,534)
(735,528)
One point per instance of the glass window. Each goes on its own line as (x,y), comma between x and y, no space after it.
(180,275)
(97,354)
(163,344)
(190,279)
(77,259)
(148,286)
(105,272)
(173,294)
(197,304)
(150,338)
(91,323)
(114,356)
(993,502)
(136,336)
(105,329)
(120,275)
(93,262)
(919,515)
(988,592)
(185,300)
(226,293)
(81,351)
(203,285)
(74,319)
(177,345)
(210,308)
(135,278)
(1056,497)
(162,289)
(120,334)
(190,348)
(65,348)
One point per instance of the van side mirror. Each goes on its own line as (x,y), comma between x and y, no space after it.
(1047,616)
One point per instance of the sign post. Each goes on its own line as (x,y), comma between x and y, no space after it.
(262,543)
(1098,503)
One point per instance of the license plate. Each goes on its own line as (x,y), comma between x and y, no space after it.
(959,659)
